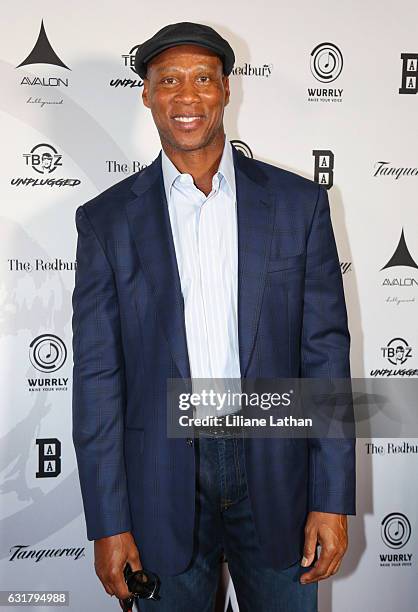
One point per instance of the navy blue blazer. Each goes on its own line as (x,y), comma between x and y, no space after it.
(129,337)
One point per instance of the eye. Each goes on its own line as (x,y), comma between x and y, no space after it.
(203,78)
(168,80)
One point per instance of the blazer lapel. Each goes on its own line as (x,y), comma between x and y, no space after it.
(255,212)
(151,231)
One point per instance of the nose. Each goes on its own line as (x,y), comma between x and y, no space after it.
(187,93)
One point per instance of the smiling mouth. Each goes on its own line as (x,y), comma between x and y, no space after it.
(187,118)
(188,121)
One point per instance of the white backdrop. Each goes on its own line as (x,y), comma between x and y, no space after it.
(78,98)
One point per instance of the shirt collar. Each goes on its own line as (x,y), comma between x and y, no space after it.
(226,169)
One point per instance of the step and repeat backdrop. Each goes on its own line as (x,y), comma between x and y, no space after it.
(328,91)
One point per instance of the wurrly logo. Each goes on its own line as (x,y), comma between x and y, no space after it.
(43,159)
(318,94)
(43,53)
(129,62)
(324,167)
(326,62)
(409,82)
(47,353)
(395,533)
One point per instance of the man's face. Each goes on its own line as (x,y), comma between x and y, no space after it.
(46,161)
(187,92)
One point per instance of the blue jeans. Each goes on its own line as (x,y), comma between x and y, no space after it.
(224,523)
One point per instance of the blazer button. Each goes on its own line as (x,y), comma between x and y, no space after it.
(189,442)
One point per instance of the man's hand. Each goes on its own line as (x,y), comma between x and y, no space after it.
(330,531)
(110,556)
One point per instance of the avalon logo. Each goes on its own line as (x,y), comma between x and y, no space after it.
(406,283)
(401,256)
(128,62)
(47,353)
(409,81)
(324,167)
(42,52)
(242,147)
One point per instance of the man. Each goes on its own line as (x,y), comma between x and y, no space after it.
(206,264)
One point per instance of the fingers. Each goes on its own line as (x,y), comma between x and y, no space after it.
(309,549)
(134,560)
(336,566)
(324,566)
(111,555)
(115,584)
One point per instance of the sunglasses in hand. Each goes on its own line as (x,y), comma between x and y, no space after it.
(143,584)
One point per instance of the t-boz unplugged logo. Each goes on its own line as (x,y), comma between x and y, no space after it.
(326,62)
(47,354)
(49,457)
(128,60)
(397,353)
(409,82)
(324,167)
(396,533)
(44,161)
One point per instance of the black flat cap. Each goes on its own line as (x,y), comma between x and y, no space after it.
(184,33)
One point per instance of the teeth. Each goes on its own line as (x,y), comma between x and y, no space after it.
(185,119)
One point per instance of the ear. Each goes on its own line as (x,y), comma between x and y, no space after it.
(145,93)
(226,87)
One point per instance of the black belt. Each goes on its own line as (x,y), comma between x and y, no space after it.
(220,429)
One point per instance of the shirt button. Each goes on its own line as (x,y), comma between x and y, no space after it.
(189,442)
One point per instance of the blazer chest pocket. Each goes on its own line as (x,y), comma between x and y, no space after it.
(294,262)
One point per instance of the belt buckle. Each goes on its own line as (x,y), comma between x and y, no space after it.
(219,430)
(215,430)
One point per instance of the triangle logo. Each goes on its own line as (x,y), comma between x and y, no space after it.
(42,52)
(401,256)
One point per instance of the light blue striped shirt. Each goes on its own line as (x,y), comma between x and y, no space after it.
(204,231)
